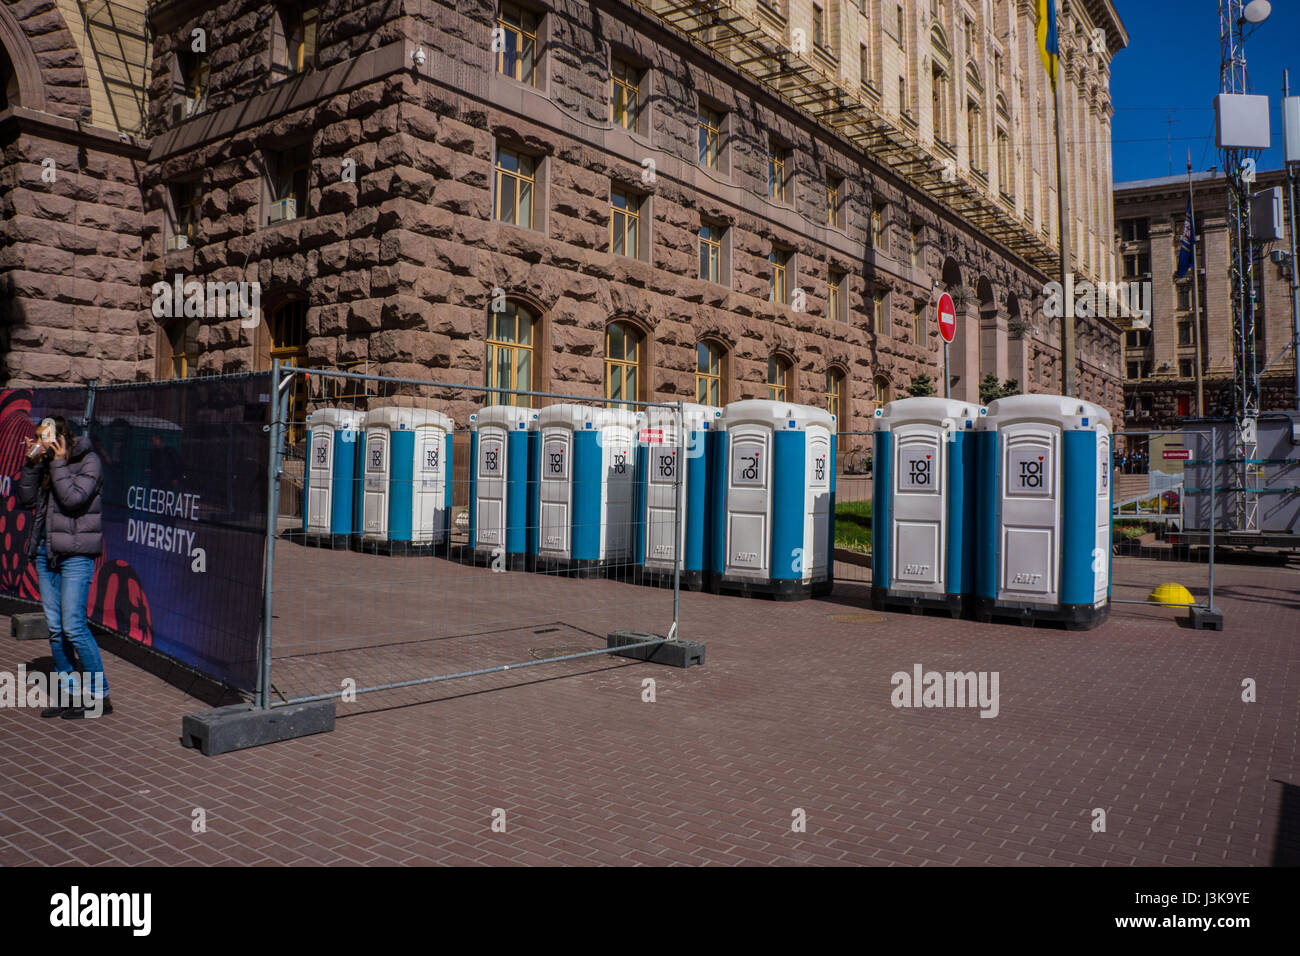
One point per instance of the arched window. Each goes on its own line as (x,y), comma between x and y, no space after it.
(778,378)
(288,326)
(510,354)
(881,392)
(708,373)
(624,352)
(834,396)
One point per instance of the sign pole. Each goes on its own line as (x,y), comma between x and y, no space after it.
(946,377)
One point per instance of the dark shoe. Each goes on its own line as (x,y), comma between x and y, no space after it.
(78,713)
(53,711)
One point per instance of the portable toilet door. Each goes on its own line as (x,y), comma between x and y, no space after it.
(375,485)
(774,505)
(1043,510)
(430,490)
(502,515)
(329,504)
(922,525)
(585,486)
(658,455)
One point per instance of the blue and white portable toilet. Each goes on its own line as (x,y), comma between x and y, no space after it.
(331,512)
(406,498)
(586,488)
(658,536)
(1043,504)
(774,499)
(502,502)
(922,521)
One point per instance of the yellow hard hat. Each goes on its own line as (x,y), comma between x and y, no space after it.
(1172,593)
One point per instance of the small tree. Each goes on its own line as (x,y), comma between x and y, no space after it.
(921,386)
(991,390)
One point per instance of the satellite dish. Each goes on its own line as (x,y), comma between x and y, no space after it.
(1257,11)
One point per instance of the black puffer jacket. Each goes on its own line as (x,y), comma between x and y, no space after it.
(68,516)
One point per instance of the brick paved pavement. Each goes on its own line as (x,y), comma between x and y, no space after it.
(1141,717)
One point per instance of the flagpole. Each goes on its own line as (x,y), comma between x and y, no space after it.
(1063,217)
(1196,290)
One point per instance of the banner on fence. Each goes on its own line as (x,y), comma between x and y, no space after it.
(184,513)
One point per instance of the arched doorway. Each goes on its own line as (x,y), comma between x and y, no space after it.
(992,333)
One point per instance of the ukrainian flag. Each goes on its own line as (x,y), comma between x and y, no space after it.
(1047,47)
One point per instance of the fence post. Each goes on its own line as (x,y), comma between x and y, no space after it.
(272,523)
(679,532)
(1213,452)
(90,403)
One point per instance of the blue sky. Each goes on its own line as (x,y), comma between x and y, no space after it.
(1171,70)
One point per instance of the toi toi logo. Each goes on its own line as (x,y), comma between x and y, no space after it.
(1031,474)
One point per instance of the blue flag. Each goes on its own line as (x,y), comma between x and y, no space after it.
(1186,245)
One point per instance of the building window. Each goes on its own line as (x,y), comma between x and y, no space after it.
(1185,297)
(186,200)
(711,252)
(1004,163)
(914,246)
(1137,264)
(778,379)
(779,286)
(879,313)
(1137,338)
(776,158)
(298,28)
(997,70)
(973,136)
(516,180)
(902,94)
(194,70)
(288,324)
(881,392)
(290,179)
(1138,369)
(708,373)
(518,39)
(970,38)
(878,226)
(834,197)
(834,396)
(939,102)
(1185,333)
(918,327)
(624,94)
(864,65)
(183,338)
(624,223)
(901,21)
(819,25)
(1185,368)
(835,296)
(623,355)
(510,354)
(710,136)
(1134,230)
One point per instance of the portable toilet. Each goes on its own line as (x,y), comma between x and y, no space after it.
(406,497)
(657,542)
(331,512)
(502,505)
(773,499)
(922,525)
(586,487)
(1043,505)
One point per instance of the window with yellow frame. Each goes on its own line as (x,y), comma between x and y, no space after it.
(708,373)
(516,179)
(779,287)
(835,296)
(517,56)
(710,137)
(510,354)
(624,222)
(623,347)
(834,186)
(624,94)
(300,29)
(288,327)
(834,396)
(775,172)
(778,379)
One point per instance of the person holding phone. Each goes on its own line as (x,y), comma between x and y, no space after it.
(61,482)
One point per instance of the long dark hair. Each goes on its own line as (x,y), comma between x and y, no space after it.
(62,429)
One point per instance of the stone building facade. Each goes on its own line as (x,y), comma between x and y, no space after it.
(694,227)
(1159,364)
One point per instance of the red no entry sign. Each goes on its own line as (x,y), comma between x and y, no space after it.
(947,318)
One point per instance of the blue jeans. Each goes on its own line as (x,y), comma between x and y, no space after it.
(63,595)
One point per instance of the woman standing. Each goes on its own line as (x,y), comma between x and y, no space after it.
(60,482)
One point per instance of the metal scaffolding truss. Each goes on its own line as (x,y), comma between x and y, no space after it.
(768,60)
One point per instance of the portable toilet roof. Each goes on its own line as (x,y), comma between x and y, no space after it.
(693,414)
(511,416)
(1052,409)
(928,409)
(780,415)
(338,417)
(401,418)
(585,416)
